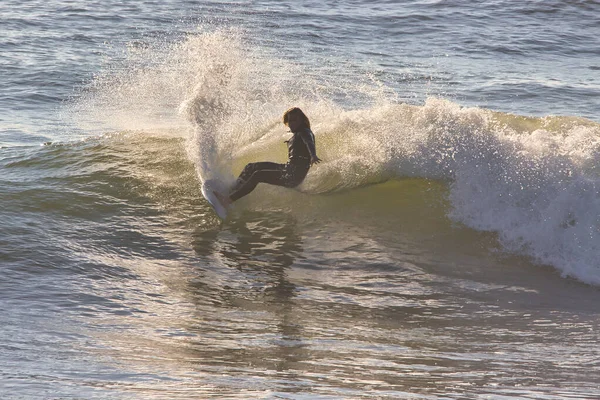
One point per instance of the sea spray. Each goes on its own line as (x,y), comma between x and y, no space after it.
(534,181)
(237,97)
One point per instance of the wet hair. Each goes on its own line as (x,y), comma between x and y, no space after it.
(296,111)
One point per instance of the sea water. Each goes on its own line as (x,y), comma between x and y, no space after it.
(447,246)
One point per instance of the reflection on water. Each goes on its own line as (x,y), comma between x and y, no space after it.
(267,306)
(260,250)
(280,312)
(256,246)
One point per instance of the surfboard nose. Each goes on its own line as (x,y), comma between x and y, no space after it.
(218,201)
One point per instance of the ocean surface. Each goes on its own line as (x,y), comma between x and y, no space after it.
(447,247)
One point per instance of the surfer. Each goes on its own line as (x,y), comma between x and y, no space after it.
(302,154)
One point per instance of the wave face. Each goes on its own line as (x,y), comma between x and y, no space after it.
(533,181)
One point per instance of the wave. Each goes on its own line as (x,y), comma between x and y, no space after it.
(534,181)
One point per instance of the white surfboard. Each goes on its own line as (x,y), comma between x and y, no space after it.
(209,187)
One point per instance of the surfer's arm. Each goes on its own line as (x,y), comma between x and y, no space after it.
(309,140)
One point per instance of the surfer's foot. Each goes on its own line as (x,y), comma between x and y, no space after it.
(238,184)
(225,200)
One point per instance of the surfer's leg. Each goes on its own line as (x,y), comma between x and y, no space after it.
(245,175)
(250,169)
(255,173)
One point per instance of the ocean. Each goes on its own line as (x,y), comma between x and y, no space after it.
(447,247)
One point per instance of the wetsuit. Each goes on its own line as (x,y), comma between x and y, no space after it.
(300,149)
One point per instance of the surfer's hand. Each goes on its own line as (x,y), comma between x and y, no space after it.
(314,160)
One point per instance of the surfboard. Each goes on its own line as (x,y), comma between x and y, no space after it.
(209,187)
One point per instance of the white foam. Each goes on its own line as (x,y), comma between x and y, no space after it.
(534,181)
(538,188)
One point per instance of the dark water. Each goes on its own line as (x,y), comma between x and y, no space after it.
(447,247)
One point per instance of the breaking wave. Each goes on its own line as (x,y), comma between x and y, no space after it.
(533,181)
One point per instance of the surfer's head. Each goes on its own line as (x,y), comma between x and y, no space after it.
(295,119)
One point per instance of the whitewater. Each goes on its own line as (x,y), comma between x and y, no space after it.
(447,246)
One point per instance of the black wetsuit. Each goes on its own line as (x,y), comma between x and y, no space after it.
(300,149)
